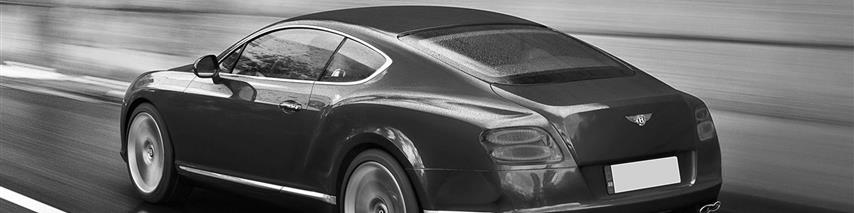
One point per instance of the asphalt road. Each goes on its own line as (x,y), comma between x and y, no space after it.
(64,152)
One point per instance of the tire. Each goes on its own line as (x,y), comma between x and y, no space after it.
(150,159)
(376,183)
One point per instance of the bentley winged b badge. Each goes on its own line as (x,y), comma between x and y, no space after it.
(641,119)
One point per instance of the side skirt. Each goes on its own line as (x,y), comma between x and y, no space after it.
(258,184)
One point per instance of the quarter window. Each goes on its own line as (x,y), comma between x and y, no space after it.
(353,62)
(228,62)
(298,54)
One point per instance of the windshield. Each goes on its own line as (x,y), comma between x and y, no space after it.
(517,54)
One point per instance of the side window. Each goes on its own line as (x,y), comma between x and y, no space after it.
(228,62)
(353,62)
(297,54)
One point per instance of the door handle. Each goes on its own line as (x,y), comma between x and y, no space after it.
(290,106)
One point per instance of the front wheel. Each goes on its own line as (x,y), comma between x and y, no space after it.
(376,183)
(150,159)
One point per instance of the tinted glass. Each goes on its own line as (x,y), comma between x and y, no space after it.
(517,54)
(228,62)
(297,54)
(353,62)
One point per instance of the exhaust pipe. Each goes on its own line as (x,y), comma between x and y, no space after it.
(710,207)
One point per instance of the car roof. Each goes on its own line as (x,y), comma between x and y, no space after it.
(404,19)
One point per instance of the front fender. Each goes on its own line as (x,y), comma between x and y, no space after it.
(158,88)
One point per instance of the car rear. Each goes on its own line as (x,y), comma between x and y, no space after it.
(634,143)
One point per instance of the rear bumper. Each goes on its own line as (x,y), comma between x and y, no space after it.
(688,199)
(550,190)
(574,189)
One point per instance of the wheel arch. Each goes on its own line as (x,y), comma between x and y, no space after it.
(421,133)
(402,151)
(125,121)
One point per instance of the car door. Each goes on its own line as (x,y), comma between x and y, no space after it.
(351,69)
(251,122)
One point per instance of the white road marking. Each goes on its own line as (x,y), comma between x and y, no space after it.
(90,80)
(29,72)
(115,83)
(26,202)
(52,92)
(116,94)
(22,70)
(11,69)
(30,66)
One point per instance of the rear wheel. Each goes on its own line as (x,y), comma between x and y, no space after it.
(376,183)
(150,158)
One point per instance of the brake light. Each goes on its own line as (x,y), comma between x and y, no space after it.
(521,145)
(705,126)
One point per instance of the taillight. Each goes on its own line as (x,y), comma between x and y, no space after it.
(705,126)
(521,145)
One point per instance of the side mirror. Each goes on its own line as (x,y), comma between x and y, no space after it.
(205,67)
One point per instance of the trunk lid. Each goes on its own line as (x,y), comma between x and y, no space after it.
(592,117)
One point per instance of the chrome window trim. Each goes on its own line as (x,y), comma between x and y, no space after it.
(378,71)
(238,76)
(258,184)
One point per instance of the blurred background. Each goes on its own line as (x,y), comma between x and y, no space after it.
(778,75)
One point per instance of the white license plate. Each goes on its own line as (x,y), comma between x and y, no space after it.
(642,174)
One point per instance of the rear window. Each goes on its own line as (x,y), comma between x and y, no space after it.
(517,54)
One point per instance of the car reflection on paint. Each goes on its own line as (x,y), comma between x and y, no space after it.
(416,108)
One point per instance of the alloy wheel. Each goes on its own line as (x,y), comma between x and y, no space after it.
(373,189)
(145,152)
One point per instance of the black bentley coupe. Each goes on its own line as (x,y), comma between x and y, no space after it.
(422,109)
